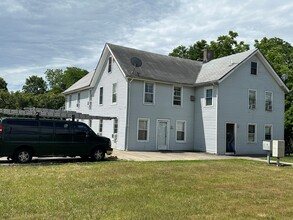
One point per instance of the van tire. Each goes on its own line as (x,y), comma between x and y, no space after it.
(97,155)
(22,155)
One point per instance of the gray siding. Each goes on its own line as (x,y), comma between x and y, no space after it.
(233,108)
(162,109)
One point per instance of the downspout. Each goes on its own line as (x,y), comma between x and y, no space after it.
(128,114)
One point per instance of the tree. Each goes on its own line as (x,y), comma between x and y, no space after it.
(55,80)
(224,45)
(3,84)
(72,75)
(280,55)
(35,85)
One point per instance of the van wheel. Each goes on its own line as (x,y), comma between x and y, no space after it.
(22,156)
(98,155)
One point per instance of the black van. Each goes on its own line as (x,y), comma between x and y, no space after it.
(21,139)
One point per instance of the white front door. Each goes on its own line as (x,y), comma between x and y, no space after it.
(163,127)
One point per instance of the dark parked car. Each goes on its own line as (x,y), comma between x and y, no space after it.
(21,139)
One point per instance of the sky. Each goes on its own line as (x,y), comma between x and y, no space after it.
(54,34)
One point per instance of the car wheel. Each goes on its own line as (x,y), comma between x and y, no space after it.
(22,156)
(98,155)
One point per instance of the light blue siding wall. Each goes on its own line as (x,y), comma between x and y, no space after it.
(205,123)
(162,109)
(233,107)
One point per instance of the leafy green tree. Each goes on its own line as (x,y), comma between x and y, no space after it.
(72,75)
(224,45)
(55,80)
(3,84)
(35,85)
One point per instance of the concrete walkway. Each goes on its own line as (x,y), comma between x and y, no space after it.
(166,156)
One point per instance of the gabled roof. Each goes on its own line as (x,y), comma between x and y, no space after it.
(172,69)
(216,69)
(155,66)
(81,84)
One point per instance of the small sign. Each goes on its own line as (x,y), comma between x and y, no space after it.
(267,145)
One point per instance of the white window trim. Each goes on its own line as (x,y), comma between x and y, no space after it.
(114,103)
(272,131)
(254,61)
(272,100)
(205,96)
(179,141)
(248,105)
(255,134)
(181,98)
(69,101)
(99,101)
(154,92)
(148,129)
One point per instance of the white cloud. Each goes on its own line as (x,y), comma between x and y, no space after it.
(36,35)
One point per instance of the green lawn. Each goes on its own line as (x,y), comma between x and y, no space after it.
(227,189)
(287,158)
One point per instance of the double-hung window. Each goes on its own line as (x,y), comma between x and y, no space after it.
(177,96)
(101,96)
(149,93)
(115,126)
(114,93)
(180,131)
(268,132)
(143,129)
(78,100)
(252,99)
(110,64)
(69,101)
(101,127)
(269,101)
(253,68)
(251,133)
(208,96)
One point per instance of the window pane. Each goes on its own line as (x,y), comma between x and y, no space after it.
(209,97)
(253,68)
(177,96)
(101,96)
(142,129)
(268,132)
(180,130)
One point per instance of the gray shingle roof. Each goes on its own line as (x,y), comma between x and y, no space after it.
(83,83)
(157,67)
(216,69)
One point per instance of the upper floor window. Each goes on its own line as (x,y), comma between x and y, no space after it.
(253,68)
(69,101)
(78,100)
(269,101)
(251,131)
(101,96)
(177,96)
(143,129)
(110,60)
(251,99)
(114,93)
(149,93)
(209,96)
(180,131)
(268,132)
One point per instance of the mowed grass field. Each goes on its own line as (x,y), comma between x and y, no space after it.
(226,189)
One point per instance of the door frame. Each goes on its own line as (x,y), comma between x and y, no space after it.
(168,133)
(235,136)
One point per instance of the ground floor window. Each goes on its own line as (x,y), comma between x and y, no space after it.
(180,131)
(251,131)
(101,126)
(268,132)
(143,129)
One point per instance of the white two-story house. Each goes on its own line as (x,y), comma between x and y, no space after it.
(226,105)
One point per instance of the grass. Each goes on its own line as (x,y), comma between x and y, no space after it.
(228,189)
(287,158)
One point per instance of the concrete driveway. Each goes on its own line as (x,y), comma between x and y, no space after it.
(165,156)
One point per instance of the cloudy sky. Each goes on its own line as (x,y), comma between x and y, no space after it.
(51,34)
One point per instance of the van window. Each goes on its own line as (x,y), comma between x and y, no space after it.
(46,130)
(22,127)
(63,131)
